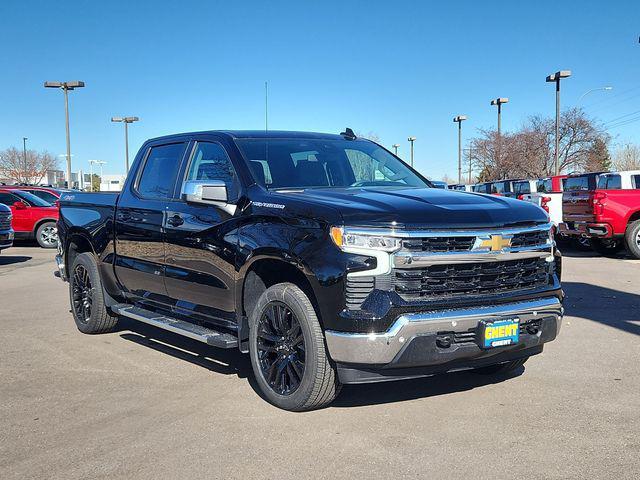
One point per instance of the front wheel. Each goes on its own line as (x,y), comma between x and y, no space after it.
(287,351)
(47,235)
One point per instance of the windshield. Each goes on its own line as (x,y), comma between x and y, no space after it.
(302,163)
(30,198)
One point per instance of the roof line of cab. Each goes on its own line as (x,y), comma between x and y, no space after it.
(234,134)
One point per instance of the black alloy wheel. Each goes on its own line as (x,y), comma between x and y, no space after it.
(81,294)
(280,348)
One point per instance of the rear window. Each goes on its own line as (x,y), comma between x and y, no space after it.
(44,195)
(609,182)
(582,182)
(521,188)
(500,187)
(635,181)
(482,188)
(544,185)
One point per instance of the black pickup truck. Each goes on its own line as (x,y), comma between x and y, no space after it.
(325,257)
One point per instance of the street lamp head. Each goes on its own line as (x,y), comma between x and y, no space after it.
(411,139)
(459,118)
(558,75)
(608,87)
(131,119)
(396,145)
(117,119)
(500,101)
(66,85)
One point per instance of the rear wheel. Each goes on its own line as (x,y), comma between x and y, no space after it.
(606,246)
(47,235)
(87,300)
(502,368)
(288,353)
(632,238)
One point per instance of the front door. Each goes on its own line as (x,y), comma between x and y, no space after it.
(21,221)
(139,223)
(200,241)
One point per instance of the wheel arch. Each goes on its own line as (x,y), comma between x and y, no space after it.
(265,271)
(633,217)
(77,242)
(40,222)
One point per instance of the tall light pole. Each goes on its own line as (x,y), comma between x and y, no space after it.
(411,140)
(66,86)
(499,101)
(555,78)
(607,88)
(395,148)
(24,155)
(126,121)
(459,119)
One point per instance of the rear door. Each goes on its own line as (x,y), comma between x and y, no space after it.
(139,222)
(201,238)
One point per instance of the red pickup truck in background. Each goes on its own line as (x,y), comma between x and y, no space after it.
(604,207)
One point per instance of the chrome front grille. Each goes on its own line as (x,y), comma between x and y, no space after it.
(5,221)
(435,266)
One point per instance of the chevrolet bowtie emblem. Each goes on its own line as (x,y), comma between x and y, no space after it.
(496,243)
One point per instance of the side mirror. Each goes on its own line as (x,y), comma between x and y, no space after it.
(19,205)
(211,192)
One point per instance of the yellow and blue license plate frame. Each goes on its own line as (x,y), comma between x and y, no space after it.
(499,333)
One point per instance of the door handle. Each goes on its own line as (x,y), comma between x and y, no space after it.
(175,221)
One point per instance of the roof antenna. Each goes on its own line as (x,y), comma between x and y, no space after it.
(266,107)
(348,133)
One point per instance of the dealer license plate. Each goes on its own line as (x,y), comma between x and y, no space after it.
(499,333)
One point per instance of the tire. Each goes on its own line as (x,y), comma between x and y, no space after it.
(47,235)
(87,299)
(283,329)
(606,247)
(501,368)
(632,239)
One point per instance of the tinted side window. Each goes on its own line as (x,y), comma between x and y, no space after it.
(158,177)
(635,181)
(8,198)
(44,195)
(614,182)
(211,162)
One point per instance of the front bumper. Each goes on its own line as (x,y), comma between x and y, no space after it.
(415,340)
(586,229)
(6,239)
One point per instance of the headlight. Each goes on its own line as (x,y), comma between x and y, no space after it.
(346,239)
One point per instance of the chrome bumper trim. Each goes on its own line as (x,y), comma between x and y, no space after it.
(382,348)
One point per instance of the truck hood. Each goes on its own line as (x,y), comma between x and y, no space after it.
(424,207)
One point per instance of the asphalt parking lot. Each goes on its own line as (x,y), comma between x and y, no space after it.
(143,403)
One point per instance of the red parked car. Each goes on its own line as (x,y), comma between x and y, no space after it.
(48,194)
(32,216)
(605,208)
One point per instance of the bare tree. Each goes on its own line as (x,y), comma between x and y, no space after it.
(529,152)
(627,157)
(33,169)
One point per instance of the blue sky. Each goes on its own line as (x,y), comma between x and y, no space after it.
(393,68)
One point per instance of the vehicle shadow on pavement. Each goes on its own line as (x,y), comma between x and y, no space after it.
(227,362)
(607,306)
(403,390)
(10,260)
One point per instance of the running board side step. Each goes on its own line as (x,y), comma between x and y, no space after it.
(180,327)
